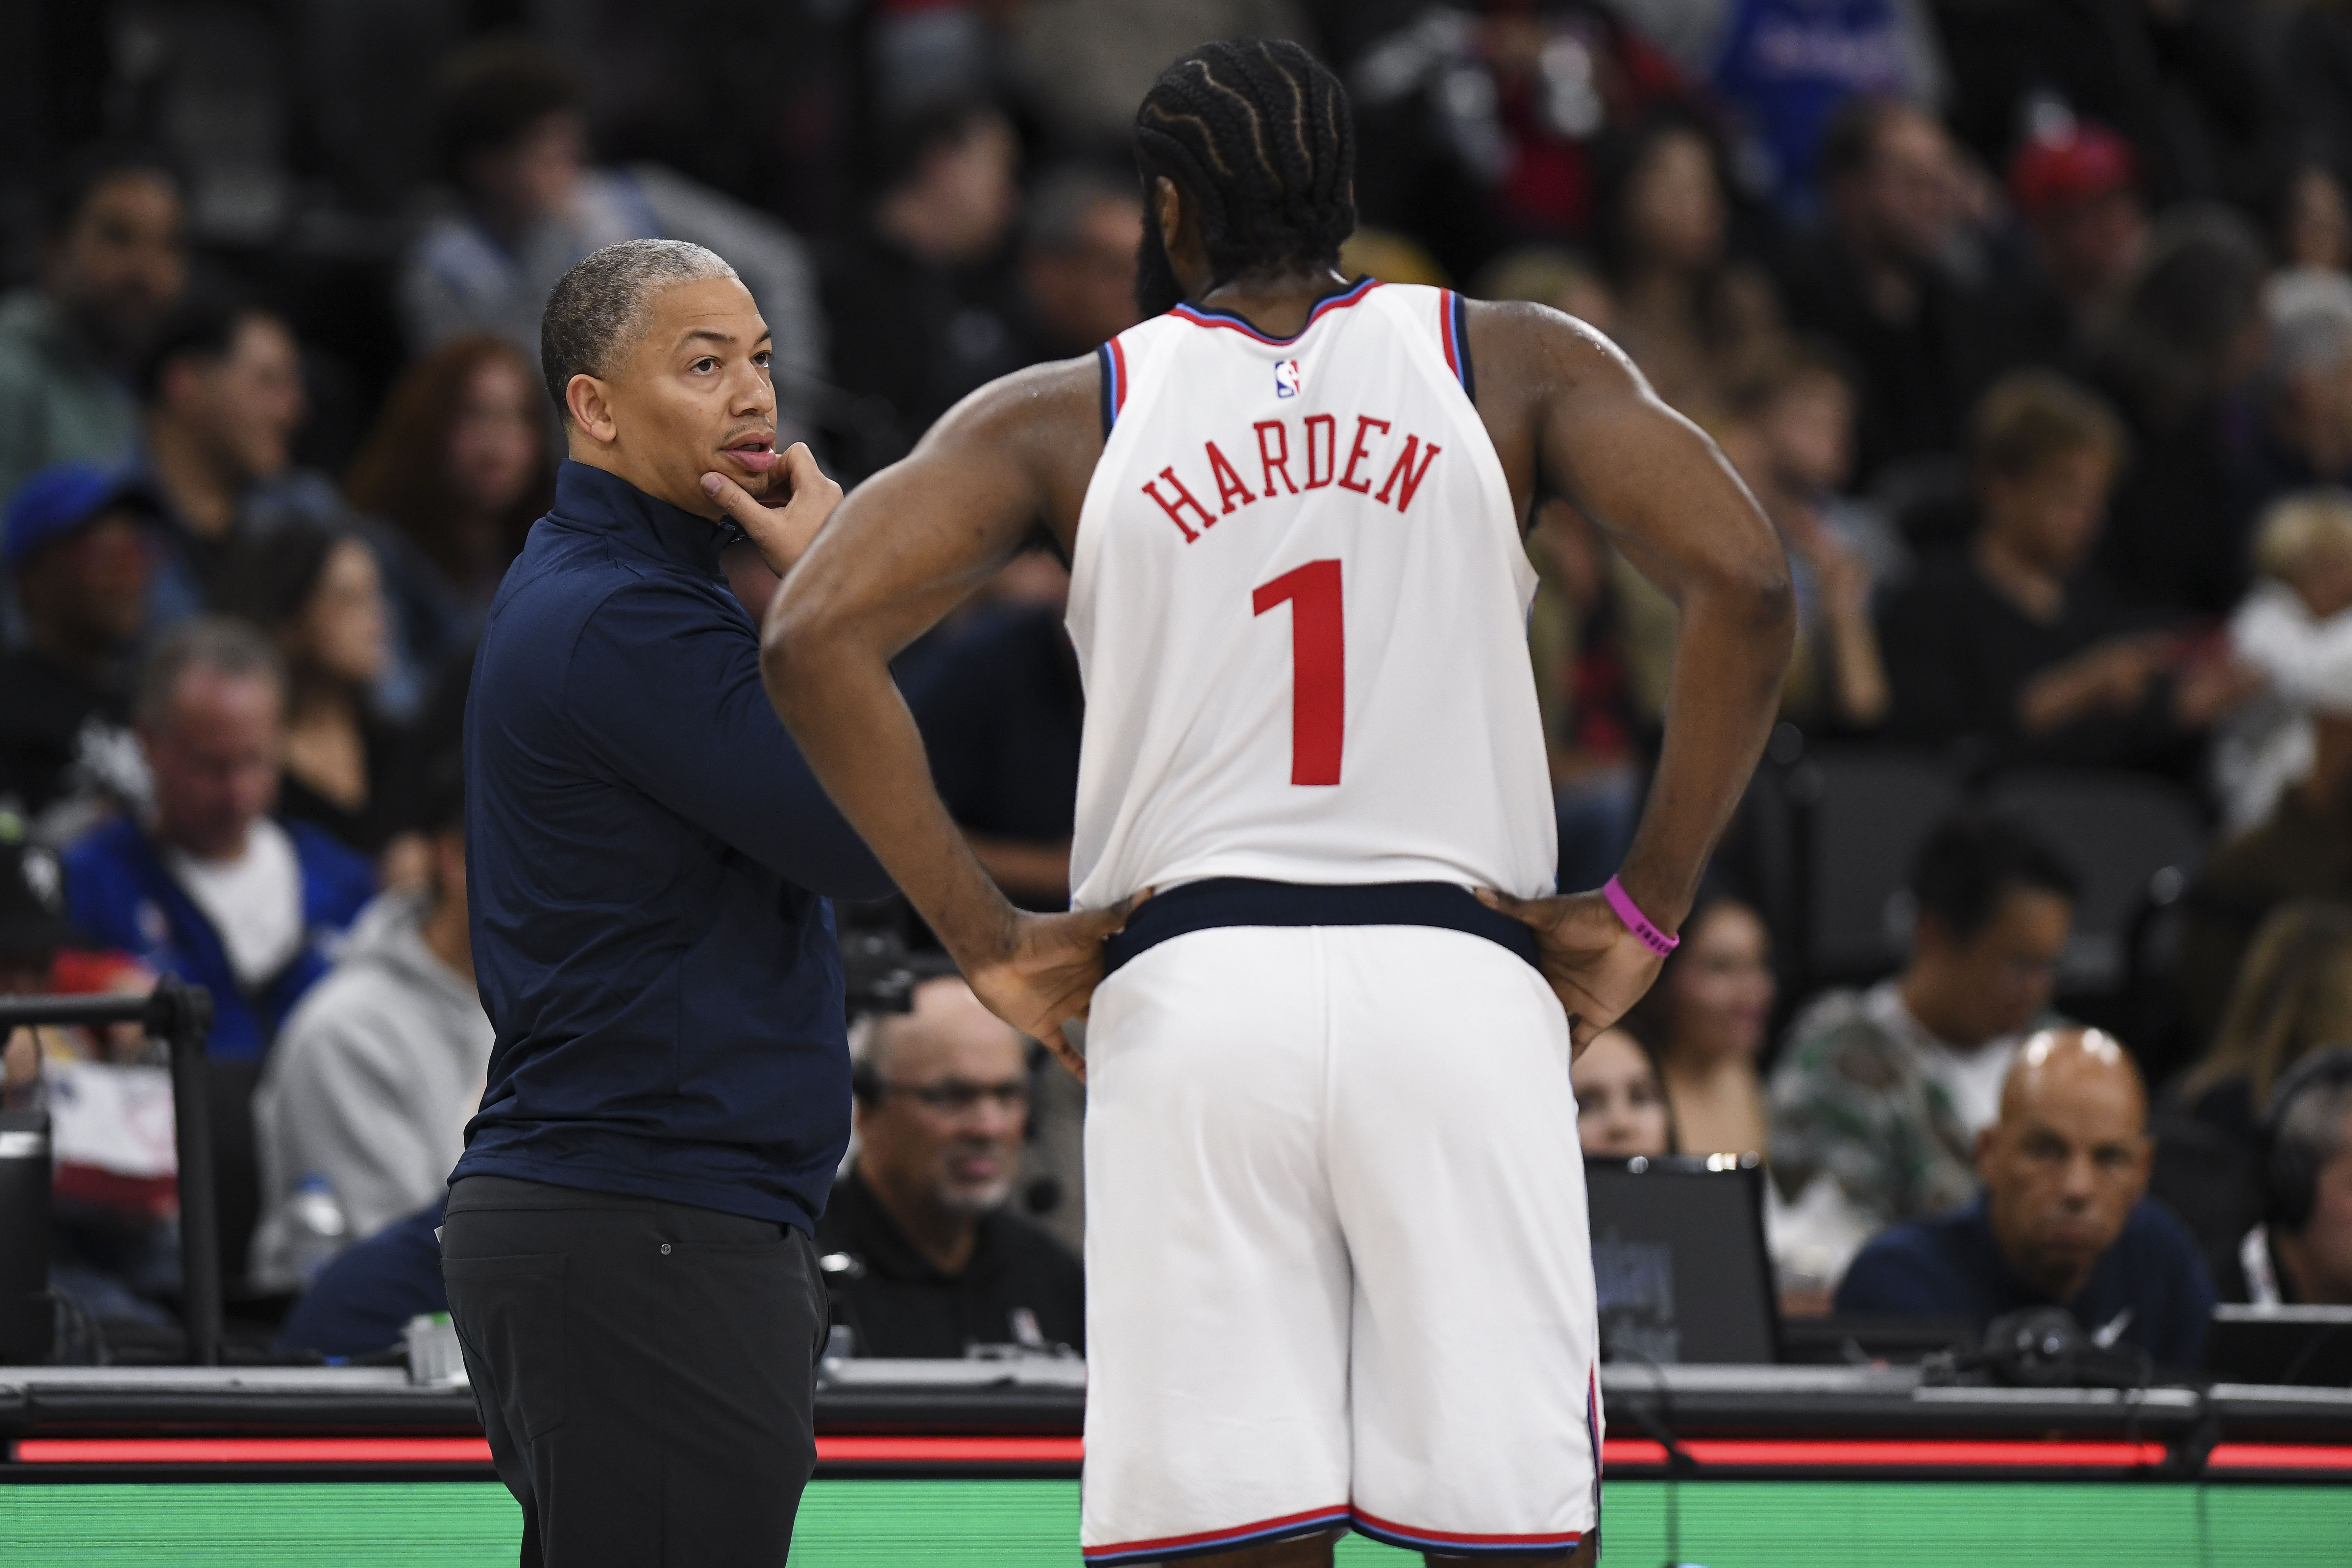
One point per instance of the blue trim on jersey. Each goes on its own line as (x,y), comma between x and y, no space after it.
(1457,327)
(1348,296)
(1110,388)
(1216,1541)
(1245,901)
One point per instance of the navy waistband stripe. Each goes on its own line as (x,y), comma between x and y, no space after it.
(1242,901)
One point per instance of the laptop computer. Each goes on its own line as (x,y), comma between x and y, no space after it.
(1678,1260)
(2308,1345)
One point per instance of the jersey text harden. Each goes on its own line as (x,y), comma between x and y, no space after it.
(1318,445)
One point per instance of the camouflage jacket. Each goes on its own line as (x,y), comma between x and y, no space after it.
(1857,1095)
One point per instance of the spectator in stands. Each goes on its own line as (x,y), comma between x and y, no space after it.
(1480,125)
(78,548)
(1690,316)
(922,1255)
(221,390)
(1621,1110)
(2015,646)
(2292,998)
(924,290)
(1785,66)
(113,261)
(2185,81)
(379,1069)
(458,465)
(362,1299)
(2300,1255)
(1078,243)
(32,928)
(514,149)
(1791,438)
(1704,1025)
(2061,1220)
(2315,219)
(2302,849)
(210,887)
(2295,628)
(317,592)
(2308,382)
(1882,1093)
(1924,338)
(2178,354)
(2077,187)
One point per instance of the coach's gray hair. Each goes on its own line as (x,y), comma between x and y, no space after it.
(598,308)
(215,642)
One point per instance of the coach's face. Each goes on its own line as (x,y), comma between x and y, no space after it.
(691,396)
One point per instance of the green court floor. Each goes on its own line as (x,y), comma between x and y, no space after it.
(1002,1524)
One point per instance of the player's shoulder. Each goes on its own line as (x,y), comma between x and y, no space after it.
(1523,329)
(1051,392)
(1047,420)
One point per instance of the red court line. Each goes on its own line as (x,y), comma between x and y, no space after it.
(953,1450)
(2278,1457)
(1830,1454)
(1632,1451)
(1731,1453)
(476,1450)
(253,1451)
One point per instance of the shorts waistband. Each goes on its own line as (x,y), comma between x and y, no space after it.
(1245,901)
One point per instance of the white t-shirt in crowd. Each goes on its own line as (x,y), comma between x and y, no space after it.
(1972,1078)
(255,900)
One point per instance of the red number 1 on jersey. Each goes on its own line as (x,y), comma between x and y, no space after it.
(1318,667)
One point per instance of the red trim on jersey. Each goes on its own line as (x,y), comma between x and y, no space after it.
(1445,330)
(1230,322)
(1119,387)
(1566,1539)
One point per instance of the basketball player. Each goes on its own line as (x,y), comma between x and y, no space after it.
(1337,1266)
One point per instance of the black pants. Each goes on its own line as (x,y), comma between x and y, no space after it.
(646,1370)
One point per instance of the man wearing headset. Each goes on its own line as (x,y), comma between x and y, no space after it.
(2301,1252)
(921,1252)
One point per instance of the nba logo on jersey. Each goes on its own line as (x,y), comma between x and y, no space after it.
(1285,378)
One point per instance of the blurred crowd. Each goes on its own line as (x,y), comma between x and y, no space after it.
(2027,323)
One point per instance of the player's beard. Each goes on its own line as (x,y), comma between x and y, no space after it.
(1156,292)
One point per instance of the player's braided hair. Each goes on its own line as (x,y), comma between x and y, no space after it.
(1257,132)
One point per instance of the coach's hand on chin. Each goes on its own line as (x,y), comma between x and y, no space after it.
(784,521)
(1597,967)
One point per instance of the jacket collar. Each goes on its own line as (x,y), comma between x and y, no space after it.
(600,501)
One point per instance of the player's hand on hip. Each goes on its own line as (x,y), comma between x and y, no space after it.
(1046,972)
(1597,967)
(783,523)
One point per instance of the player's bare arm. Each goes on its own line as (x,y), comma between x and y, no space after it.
(1572,418)
(908,546)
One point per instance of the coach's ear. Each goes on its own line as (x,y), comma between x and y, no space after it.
(591,408)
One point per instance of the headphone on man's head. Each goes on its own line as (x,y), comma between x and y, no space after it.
(2290,1169)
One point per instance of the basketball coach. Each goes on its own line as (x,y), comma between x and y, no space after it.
(629,1245)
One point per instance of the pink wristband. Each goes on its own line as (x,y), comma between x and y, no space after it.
(1637,922)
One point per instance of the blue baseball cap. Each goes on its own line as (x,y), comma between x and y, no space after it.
(63,497)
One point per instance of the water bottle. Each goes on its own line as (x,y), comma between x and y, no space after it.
(315,1228)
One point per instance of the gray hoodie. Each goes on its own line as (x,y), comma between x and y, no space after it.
(370,1085)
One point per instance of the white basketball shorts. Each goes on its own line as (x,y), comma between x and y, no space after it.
(1337,1266)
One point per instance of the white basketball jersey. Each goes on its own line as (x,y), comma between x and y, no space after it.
(1299,598)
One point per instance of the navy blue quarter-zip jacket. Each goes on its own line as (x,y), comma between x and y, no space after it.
(648,862)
